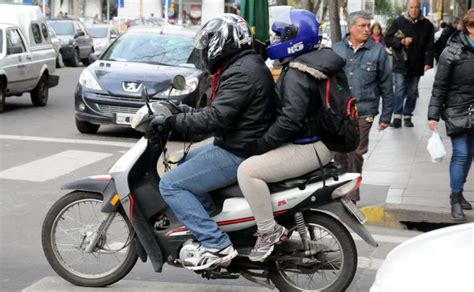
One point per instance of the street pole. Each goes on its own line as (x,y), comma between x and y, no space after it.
(108,11)
(166,11)
(180,12)
(141,8)
(44,8)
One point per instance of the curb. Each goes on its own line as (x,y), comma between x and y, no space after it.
(378,216)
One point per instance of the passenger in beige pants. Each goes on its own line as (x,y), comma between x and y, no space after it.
(288,148)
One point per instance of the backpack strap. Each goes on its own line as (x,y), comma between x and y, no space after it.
(328,88)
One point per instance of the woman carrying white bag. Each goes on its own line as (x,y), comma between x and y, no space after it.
(453,100)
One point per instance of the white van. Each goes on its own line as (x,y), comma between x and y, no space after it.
(27,56)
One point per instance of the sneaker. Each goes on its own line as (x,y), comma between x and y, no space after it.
(209,258)
(266,243)
(408,123)
(396,123)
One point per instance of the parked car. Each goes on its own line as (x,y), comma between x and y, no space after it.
(102,36)
(109,90)
(326,32)
(439,260)
(27,57)
(76,42)
(57,47)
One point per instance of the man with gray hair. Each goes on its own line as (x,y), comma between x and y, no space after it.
(411,38)
(369,74)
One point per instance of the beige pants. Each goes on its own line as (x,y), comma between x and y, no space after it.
(288,161)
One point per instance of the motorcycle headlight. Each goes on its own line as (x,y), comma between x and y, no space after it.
(88,80)
(191,85)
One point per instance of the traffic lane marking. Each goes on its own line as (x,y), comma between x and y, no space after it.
(69,141)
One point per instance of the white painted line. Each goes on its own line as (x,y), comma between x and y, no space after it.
(384,238)
(53,166)
(369,263)
(64,140)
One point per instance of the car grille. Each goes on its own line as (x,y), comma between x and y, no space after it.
(110,110)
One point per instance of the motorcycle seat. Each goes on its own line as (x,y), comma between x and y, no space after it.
(330,170)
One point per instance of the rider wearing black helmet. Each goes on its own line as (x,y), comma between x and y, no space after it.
(241,110)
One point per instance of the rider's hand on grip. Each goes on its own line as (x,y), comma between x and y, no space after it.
(157,125)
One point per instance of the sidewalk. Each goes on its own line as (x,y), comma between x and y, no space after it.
(417,190)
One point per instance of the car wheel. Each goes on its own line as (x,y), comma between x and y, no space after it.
(59,61)
(3,96)
(75,59)
(86,61)
(86,128)
(39,95)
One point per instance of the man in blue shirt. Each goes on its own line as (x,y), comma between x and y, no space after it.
(369,74)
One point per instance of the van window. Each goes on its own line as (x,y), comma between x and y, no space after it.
(14,40)
(36,33)
(44,30)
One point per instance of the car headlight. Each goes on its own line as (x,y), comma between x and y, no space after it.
(88,80)
(191,85)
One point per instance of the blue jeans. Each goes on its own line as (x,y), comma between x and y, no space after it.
(463,153)
(405,95)
(186,190)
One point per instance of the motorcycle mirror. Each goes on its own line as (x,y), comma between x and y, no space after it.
(146,98)
(178,82)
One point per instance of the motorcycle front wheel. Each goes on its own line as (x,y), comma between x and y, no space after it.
(332,268)
(67,230)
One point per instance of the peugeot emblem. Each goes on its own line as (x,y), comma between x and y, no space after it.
(130,86)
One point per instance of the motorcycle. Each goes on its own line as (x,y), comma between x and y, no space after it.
(94,235)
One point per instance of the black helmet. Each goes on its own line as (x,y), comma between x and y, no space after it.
(220,37)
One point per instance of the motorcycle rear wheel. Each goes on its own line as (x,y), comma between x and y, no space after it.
(342,255)
(66,229)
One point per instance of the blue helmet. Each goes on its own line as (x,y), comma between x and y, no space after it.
(298,30)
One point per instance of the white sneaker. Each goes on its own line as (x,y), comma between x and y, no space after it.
(210,258)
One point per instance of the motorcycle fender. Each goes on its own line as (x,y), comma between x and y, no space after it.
(337,210)
(98,184)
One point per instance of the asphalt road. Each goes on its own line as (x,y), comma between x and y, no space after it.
(34,142)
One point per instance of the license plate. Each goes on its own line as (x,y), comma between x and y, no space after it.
(123,119)
(352,208)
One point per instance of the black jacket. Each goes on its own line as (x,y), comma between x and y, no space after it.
(453,89)
(442,42)
(420,51)
(243,109)
(298,98)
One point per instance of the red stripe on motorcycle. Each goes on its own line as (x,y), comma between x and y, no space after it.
(132,206)
(223,223)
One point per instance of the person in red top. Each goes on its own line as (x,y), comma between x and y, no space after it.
(376,33)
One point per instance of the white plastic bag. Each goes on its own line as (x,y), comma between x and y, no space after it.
(436,148)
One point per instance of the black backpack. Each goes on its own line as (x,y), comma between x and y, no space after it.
(337,117)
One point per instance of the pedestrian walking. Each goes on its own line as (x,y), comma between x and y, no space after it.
(368,71)
(411,39)
(437,34)
(376,33)
(448,31)
(453,100)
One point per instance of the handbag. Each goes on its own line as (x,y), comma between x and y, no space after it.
(460,123)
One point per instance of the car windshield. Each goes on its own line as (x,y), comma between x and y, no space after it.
(150,48)
(98,32)
(62,27)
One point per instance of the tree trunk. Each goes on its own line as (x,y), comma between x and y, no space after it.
(306,4)
(334,21)
(316,6)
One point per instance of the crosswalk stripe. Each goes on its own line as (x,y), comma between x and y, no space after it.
(383,238)
(53,166)
(69,141)
(369,263)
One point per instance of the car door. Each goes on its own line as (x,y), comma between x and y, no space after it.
(15,61)
(37,57)
(89,41)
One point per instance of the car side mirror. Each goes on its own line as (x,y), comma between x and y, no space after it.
(93,57)
(178,82)
(79,34)
(14,50)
